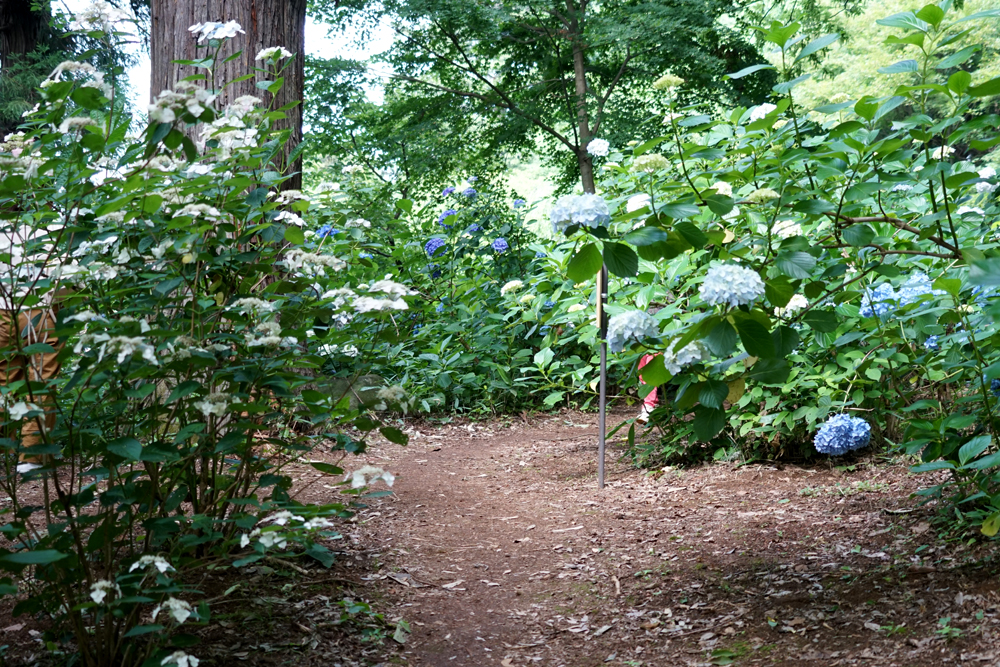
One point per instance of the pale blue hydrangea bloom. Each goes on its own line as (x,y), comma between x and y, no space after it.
(500,245)
(631,326)
(732,285)
(915,287)
(885,299)
(841,434)
(879,302)
(691,353)
(586,210)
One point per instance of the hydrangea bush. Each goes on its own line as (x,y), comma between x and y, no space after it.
(807,263)
(190,309)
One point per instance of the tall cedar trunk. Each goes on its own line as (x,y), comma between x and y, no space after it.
(20,28)
(583,158)
(267,23)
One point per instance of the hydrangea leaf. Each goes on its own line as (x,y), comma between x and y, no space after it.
(295,235)
(721,340)
(646,236)
(756,338)
(974,448)
(796,264)
(393,434)
(824,321)
(785,340)
(621,260)
(770,371)
(713,393)
(585,264)
(779,291)
(691,234)
(654,372)
(859,235)
(708,422)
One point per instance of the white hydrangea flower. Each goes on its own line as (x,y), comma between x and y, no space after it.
(638,202)
(962,210)
(252,305)
(290,218)
(633,325)
(527,298)
(86,316)
(181,659)
(691,353)
(786,229)
(367,304)
(128,346)
(795,304)
(213,30)
(74,123)
(667,82)
(272,539)
(901,187)
(511,286)
(761,195)
(941,152)
(759,112)
(987,172)
(318,523)
(650,163)
(216,403)
(723,188)
(576,308)
(99,590)
(245,538)
(98,15)
(599,147)
(587,210)
(360,223)
(732,285)
(159,562)
(368,475)
(390,287)
(311,264)
(275,52)
(283,517)
(179,610)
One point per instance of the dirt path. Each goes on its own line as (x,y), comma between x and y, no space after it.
(498,549)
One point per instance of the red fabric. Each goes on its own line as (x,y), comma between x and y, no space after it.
(651,400)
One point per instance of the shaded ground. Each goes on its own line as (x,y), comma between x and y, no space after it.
(498,549)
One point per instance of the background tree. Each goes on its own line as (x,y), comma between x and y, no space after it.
(266,23)
(29,50)
(553,75)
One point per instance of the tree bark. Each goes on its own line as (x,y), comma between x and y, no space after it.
(20,28)
(583,158)
(267,23)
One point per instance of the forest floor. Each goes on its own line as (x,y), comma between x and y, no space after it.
(497,548)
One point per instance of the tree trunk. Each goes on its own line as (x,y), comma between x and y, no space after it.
(20,28)
(267,23)
(583,158)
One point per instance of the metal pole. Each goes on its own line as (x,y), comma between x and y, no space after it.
(602,324)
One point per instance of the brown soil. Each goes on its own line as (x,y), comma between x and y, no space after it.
(497,548)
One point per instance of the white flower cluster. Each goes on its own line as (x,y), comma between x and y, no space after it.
(98,15)
(650,163)
(599,147)
(732,285)
(722,188)
(311,264)
(268,334)
(215,403)
(332,349)
(273,53)
(633,325)
(794,305)
(99,590)
(691,353)
(984,188)
(588,210)
(511,286)
(290,218)
(213,30)
(181,659)
(941,152)
(252,306)
(359,223)
(760,112)
(638,202)
(20,410)
(395,292)
(125,346)
(96,79)
(761,195)
(186,96)
(179,610)
(159,562)
(785,229)
(576,308)
(962,210)
(368,475)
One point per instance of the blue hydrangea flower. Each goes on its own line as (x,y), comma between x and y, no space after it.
(995,387)
(633,325)
(518,203)
(365,255)
(540,253)
(444,216)
(448,190)
(841,434)
(440,308)
(548,303)
(471,179)
(500,245)
(434,270)
(932,343)
(916,286)
(326,230)
(433,245)
(732,285)
(475,227)
(881,300)
(469,192)
(587,210)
